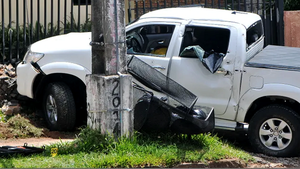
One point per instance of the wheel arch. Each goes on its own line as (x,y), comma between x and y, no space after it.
(65,68)
(270,100)
(76,85)
(41,81)
(253,100)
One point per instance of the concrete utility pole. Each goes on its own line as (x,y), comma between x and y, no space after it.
(109,88)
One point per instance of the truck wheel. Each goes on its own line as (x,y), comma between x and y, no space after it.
(59,107)
(274,130)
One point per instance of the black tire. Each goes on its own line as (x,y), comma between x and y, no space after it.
(274,131)
(59,107)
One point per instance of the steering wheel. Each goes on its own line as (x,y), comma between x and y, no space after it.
(135,45)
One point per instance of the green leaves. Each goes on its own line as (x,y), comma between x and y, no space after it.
(290,5)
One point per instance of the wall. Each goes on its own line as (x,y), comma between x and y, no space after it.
(85,12)
(41,7)
(291,28)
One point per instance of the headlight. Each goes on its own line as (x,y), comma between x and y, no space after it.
(32,57)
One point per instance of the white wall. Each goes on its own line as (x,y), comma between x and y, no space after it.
(83,15)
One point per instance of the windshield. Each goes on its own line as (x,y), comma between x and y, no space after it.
(133,21)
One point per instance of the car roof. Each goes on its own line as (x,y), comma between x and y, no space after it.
(200,13)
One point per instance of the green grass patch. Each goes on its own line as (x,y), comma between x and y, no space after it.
(22,128)
(3,117)
(93,150)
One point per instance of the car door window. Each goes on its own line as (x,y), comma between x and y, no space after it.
(208,38)
(150,40)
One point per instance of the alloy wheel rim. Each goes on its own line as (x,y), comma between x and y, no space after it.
(51,109)
(275,134)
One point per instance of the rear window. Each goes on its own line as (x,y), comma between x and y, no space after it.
(254,33)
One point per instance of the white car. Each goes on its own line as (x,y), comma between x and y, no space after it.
(252,86)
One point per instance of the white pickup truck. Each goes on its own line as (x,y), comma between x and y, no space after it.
(252,87)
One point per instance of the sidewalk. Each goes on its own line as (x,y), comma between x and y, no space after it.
(36,142)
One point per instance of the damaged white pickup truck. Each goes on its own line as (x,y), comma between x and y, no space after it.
(246,84)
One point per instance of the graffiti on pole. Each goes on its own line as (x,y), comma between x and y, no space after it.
(116,101)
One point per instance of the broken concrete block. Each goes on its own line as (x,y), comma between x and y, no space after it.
(11,109)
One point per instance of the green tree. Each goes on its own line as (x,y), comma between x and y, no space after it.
(290,5)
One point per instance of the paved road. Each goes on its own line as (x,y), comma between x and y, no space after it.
(263,161)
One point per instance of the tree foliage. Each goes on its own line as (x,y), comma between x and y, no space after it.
(290,5)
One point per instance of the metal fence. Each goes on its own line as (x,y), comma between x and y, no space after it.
(271,12)
(24,22)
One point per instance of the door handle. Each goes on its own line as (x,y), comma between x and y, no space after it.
(161,42)
(159,67)
(222,71)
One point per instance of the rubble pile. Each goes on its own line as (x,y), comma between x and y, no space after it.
(8,90)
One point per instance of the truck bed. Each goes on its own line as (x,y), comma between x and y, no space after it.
(277,57)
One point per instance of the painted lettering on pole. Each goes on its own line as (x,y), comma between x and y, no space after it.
(116,101)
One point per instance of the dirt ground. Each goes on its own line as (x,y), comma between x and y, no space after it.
(49,137)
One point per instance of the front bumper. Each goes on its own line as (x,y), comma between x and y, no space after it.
(25,79)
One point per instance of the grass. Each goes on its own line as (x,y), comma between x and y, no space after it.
(93,150)
(17,126)
(22,128)
(3,117)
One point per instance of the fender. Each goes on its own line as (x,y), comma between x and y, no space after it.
(251,95)
(67,68)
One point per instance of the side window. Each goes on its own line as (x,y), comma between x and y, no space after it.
(208,38)
(150,40)
(254,33)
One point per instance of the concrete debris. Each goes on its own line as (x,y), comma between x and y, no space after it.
(260,160)
(223,163)
(10,108)
(8,90)
(276,162)
(10,71)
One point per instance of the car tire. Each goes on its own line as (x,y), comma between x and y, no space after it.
(59,107)
(274,131)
